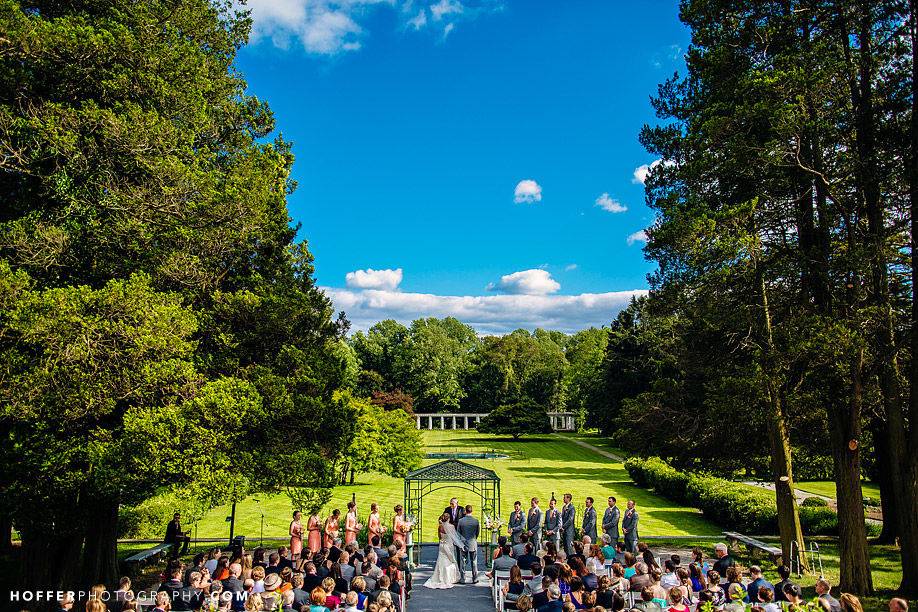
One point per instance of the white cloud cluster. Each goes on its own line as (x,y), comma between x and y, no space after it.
(643,171)
(608,203)
(387,279)
(638,236)
(526,282)
(329,27)
(527,191)
(490,314)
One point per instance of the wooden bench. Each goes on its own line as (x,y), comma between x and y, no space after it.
(135,561)
(753,545)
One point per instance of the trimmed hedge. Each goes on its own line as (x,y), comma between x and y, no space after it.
(731,505)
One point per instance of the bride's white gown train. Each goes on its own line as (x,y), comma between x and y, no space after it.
(446,570)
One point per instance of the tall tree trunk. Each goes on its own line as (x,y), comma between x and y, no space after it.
(883,477)
(6,534)
(50,560)
(845,430)
(779,440)
(100,551)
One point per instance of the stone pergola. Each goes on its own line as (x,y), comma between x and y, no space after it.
(560,421)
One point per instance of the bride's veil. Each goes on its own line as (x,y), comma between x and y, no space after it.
(451,535)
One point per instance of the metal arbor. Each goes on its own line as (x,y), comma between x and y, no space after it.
(451,473)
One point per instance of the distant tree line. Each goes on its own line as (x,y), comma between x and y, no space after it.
(441,365)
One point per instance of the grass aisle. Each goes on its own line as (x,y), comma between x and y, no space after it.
(536,466)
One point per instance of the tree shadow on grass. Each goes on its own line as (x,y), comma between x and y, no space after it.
(562,471)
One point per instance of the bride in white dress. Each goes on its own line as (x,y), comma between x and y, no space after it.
(446,571)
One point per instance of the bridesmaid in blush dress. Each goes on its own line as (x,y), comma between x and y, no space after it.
(296,536)
(374,526)
(399,527)
(331,528)
(314,526)
(350,524)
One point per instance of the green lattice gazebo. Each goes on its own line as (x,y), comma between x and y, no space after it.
(451,473)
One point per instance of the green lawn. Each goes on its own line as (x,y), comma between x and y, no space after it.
(537,466)
(826,488)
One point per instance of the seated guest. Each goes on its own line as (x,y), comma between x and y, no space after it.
(258,557)
(541,598)
(384,591)
(258,577)
(498,550)
(173,584)
(124,592)
(369,571)
(347,570)
(755,573)
(332,598)
(607,549)
(197,564)
(735,584)
(300,595)
(65,603)
(318,598)
(660,595)
(698,557)
(766,598)
(575,596)
(688,590)
(604,593)
(359,586)
(335,551)
(640,579)
(647,604)
(503,561)
(222,571)
(596,562)
(519,549)
(554,600)
(676,601)
(736,594)
(618,582)
(274,566)
(717,593)
(515,586)
(629,563)
(565,574)
(669,578)
(524,603)
(161,603)
(528,559)
(793,595)
(388,603)
(784,575)
(823,591)
(190,596)
(270,594)
(350,602)
(649,559)
(578,552)
(232,583)
(534,585)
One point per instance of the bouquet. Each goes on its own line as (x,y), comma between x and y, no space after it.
(493,523)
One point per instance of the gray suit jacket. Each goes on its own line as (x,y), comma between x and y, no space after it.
(534,521)
(589,523)
(568,514)
(516,524)
(610,521)
(468,529)
(630,523)
(552,521)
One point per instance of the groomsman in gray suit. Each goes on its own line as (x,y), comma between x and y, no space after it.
(568,515)
(534,525)
(516,524)
(610,520)
(589,520)
(630,527)
(469,529)
(553,523)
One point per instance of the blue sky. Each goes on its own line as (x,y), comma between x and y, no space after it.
(474,158)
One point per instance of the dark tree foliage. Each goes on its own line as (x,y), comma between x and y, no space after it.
(516,420)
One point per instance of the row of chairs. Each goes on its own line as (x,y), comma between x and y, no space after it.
(502,577)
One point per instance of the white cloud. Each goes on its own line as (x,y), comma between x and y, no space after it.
(330,27)
(610,204)
(570,267)
(642,171)
(527,191)
(526,282)
(418,21)
(444,8)
(387,280)
(491,314)
(638,236)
